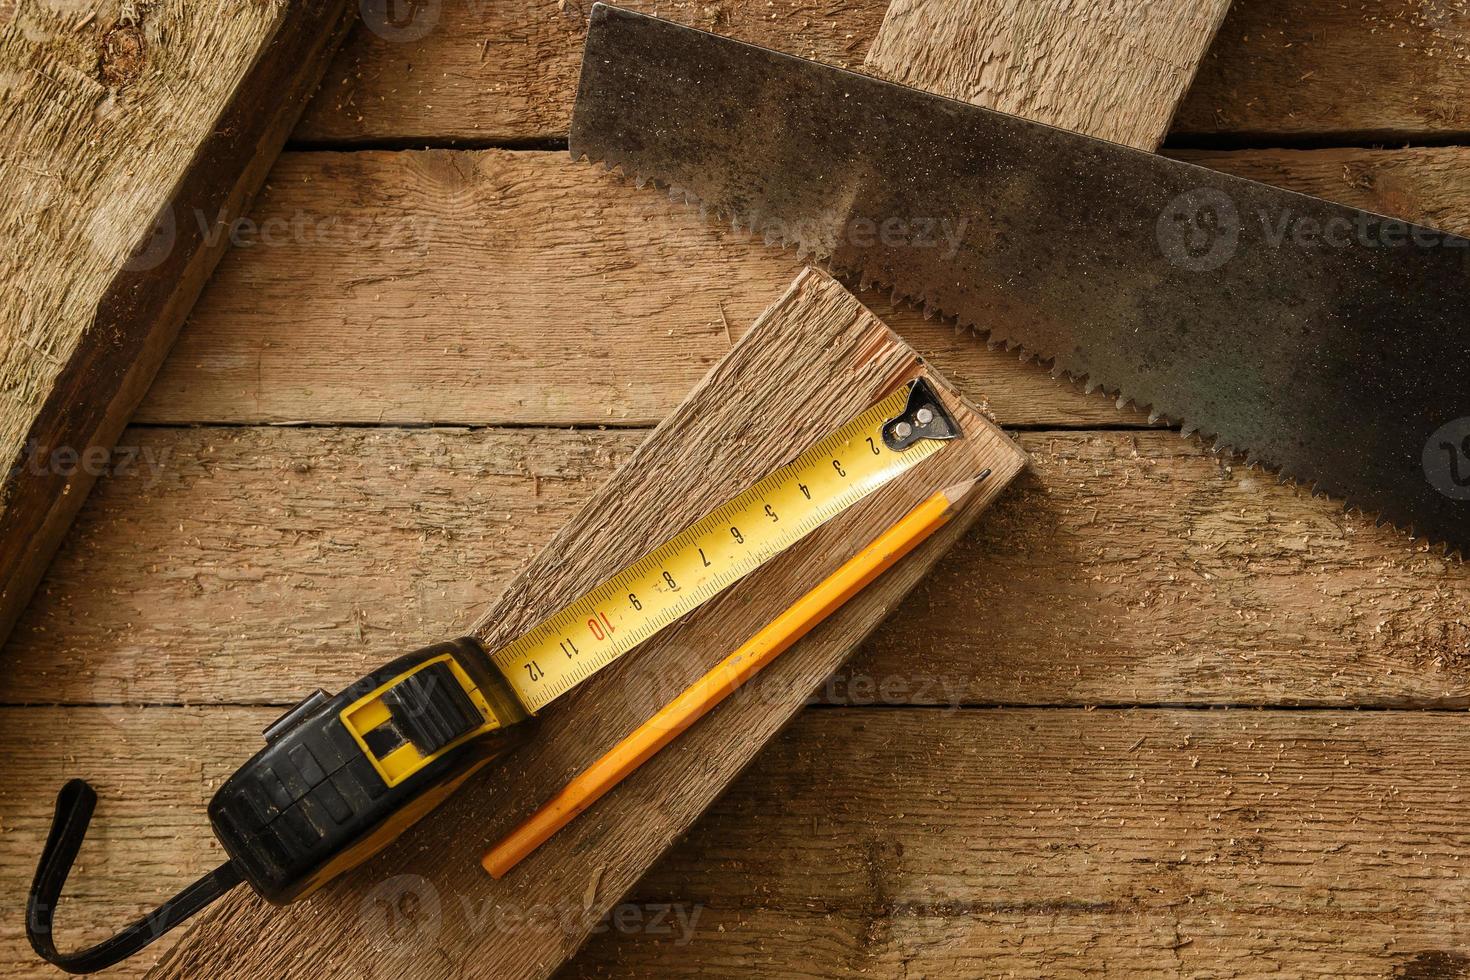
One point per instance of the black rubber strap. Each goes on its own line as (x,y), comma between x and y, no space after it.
(74,806)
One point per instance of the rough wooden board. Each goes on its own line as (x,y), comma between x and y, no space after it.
(1124,568)
(815,358)
(127,154)
(1393,71)
(1064,843)
(1422,184)
(430,287)
(507,71)
(1278,69)
(1303,843)
(1114,69)
(154,770)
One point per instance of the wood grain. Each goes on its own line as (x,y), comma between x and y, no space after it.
(133,139)
(1423,184)
(1242,843)
(1114,69)
(814,359)
(261,559)
(154,770)
(1049,843)
(431,287)
(1125,568)
(488,70)
(505,71)
(1347,71)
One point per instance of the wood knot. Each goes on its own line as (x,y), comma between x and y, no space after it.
(121,55)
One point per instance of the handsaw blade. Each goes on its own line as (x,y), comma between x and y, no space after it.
(1327,343)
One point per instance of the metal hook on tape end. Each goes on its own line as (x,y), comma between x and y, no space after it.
(924,417)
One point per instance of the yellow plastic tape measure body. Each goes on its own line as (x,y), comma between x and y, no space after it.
(709,555)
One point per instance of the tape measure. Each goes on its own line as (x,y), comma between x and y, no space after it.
(712,554)
(343,775)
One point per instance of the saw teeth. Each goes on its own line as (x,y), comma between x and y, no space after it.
(751,224)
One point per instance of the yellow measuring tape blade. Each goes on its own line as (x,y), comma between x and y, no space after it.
(718,550)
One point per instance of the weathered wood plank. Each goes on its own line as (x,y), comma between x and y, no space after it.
(432,287)
(1114,69)
(1350,70)
(155,770)
(506,70)
(256,563)
(497,70)
(813,360)
(1308,843)
(975,843)
(1423,184)
(131,138)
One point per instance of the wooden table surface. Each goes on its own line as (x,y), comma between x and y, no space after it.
(1159,713)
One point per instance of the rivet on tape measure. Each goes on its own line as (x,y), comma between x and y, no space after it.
(342,775)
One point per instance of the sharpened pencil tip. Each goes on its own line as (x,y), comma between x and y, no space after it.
(954,494)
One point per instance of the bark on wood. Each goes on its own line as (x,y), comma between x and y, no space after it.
(1114,69)
(814,359)
(432,287)
(133,140)
(1279,69)
(252,564)
(962,843)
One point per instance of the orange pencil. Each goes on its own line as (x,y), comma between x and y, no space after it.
(658,731)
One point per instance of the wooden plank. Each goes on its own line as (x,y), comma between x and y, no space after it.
(813,360)
(251,564)
(1064,842)
(1042,842)
(1114,69)
(133,140)
(154,770)
(1349,71)
(1279,69)
(506,71)
(430,287)
(1423,184)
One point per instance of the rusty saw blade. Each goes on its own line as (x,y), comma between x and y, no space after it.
(1328,343)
